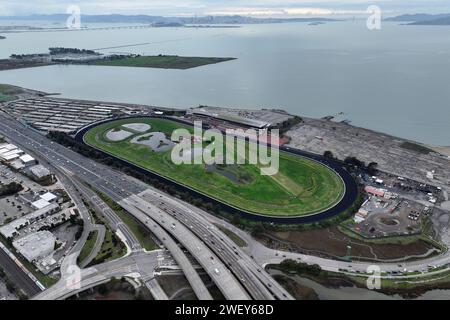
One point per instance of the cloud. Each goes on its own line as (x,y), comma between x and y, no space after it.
(294,11)
(218,7)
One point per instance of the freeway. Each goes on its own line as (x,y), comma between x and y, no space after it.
(138,264)
(230,288)
(115,184)
(113,220)
(120,187)
(257,282)
(115,187)
(191,274)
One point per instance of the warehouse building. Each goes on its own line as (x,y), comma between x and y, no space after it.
(12,229)
(36,246)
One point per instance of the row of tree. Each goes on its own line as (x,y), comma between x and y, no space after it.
(355,163)
(10,189)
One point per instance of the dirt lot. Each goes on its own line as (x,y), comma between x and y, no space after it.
(331,242)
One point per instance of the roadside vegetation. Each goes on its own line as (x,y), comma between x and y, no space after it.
(112,248)
(233,236)
(409,288)
(88,246)
(7,93)
(141,233)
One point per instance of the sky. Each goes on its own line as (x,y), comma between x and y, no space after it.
(256,8)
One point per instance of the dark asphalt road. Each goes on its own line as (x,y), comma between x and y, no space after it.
(16,275)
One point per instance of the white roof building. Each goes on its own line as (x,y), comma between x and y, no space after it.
(40,204)
(49,197)
(27,159)
(10,156)
(10,152)
(36,245)
(7,146)
(39,171)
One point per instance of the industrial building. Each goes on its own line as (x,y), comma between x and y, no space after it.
(27,160)
(231,118)
(39,172)
(259,119)
(11,229)
(36,246)
(15,157)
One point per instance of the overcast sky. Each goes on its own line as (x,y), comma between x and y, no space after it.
(263,8)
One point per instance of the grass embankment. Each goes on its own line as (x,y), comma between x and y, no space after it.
(7,93)
(88,246)
(162,61)
(233,236)
(302,187)
(112,248)
(144,237)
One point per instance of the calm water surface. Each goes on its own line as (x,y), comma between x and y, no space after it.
(396,80)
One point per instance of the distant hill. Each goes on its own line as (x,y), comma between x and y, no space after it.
(417,17)
(423,19)
(445,21)
(118,18)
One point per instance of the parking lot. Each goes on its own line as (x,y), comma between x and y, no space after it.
(389,218)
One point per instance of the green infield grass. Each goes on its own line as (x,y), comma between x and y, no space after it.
(301,187)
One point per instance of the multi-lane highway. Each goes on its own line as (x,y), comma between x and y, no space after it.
(113,220)
(119,187)
(138,264)
(179,217)
(168,217)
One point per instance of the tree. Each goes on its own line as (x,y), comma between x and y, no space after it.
(103,289)
(236,220)
(328,155)
(258,230)
(372,168)
(353,161)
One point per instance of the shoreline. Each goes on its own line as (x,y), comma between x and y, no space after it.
(443,150)
(440,149)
